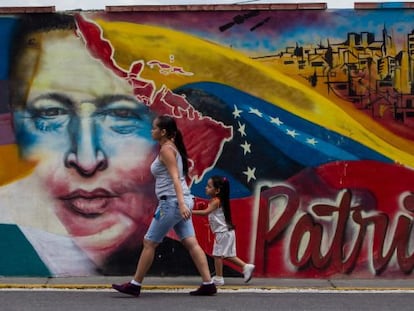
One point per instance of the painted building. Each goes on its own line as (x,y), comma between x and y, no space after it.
(307,111)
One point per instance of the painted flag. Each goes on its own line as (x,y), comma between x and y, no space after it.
(269,143)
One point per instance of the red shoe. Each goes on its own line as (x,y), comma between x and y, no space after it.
(128,288)
(205,290)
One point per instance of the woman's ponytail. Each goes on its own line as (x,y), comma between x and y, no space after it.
(179,142)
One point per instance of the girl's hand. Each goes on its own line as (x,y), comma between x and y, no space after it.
(201,205)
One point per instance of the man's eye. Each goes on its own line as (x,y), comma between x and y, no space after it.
(122,113)
(50,112)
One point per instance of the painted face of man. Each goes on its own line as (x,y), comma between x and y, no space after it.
(92,142)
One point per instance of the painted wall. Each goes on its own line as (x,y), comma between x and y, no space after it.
(308,113)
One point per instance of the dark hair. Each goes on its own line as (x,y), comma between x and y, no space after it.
(222,183)
(26,26)
(168,124)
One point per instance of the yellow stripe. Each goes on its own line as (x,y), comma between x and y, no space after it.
(214,63)
(12,168)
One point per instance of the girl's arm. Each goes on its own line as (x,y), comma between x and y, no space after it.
(168,157)
(212,205)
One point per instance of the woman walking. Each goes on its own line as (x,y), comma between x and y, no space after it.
(174,208)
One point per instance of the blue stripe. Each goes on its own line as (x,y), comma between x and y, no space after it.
(331,146)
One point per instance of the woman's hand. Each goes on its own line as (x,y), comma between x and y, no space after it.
(185,212)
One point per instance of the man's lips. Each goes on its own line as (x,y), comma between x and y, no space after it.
(88,202)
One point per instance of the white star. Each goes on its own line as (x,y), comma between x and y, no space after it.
(276,121)
(250,173)
(236,112)
(292,133)
(242,129)
(246,148)
(311,141)
(256,112)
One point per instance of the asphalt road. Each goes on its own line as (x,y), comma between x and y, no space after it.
(108,300)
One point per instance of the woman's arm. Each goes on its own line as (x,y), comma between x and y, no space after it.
(168,157)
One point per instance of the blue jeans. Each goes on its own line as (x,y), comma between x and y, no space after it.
(167,216)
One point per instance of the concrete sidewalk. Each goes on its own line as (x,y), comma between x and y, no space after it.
(191,282)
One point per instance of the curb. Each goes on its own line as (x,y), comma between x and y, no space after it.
(226,288)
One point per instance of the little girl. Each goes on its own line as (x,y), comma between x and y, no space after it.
(219,217)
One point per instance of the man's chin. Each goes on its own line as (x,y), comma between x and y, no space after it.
(120,261)
(111,243)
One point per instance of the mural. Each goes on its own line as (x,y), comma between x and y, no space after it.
(308,113)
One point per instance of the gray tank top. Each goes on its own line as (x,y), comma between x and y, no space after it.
(163,182)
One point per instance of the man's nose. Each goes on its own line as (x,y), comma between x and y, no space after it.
(85,154)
